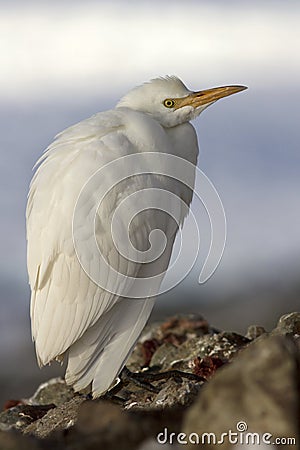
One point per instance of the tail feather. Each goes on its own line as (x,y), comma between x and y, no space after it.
(99,355)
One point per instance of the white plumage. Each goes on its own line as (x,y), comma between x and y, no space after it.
(71,315)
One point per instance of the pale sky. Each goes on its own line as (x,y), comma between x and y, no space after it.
(50,48)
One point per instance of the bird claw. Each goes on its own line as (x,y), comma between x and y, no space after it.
(145,379)
(138,379)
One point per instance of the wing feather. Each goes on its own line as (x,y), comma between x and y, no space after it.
(64,301)
(98,357)
(68,309)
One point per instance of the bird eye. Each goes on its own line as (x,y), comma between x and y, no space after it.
(169,103)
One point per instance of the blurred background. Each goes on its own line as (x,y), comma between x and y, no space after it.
(62,61)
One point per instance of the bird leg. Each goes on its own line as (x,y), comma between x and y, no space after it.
(125,378)
(144,379)
(138,379)
(111,393)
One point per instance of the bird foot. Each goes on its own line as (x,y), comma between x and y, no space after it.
(138,379)
(145,379)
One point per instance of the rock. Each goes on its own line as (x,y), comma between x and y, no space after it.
(251,380)
(102,424)
(173,331)
(19,417)
(10,440)
(259,389)
(222,345)
(207,366)
(152,444)
(54,391)
(175,394)
(27,411)
(254,331)
(289,324)
(57,419)
(198,350)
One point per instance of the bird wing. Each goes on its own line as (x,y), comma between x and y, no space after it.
(98,356)
(65,302)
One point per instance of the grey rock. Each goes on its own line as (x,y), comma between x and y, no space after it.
(102,424)
(54,391)
(180,326)
(10,440)
(258,384)
(57,419)
(19,417)
(260,387)
(174,394)
(222,345)
(167,355)
(289,324)
(171,332)
(152,444)
(254,331)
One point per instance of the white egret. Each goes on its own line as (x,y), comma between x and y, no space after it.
(72,315)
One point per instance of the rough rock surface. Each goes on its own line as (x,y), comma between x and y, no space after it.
(228,378)
(60,418)
(259,389)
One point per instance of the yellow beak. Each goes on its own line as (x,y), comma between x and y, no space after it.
(201,98)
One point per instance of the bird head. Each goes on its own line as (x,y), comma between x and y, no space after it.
(170,102)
